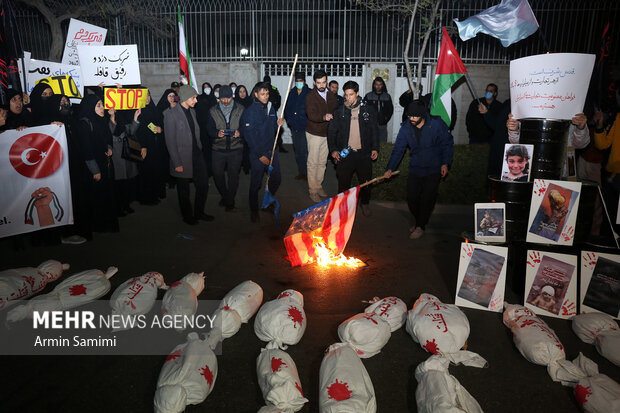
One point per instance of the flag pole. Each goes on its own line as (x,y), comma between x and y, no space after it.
(290,80)
(471,87)
(377,179)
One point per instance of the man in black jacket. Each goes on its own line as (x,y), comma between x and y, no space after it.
(382,102)
(354,127)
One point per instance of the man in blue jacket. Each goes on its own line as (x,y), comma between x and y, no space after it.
(295,115)
(431,146)
(259,125)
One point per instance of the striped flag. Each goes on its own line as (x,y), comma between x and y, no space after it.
(185,61)
(331,220)
(450,68)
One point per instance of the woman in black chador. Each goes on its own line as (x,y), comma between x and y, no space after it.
(153,170)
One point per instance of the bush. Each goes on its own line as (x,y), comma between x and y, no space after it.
(465,184)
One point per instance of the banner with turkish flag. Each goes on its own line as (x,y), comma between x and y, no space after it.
(34,180)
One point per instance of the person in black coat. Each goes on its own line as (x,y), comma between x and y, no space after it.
(39,104)
(382,102)
(354,128)
(242,96)
(18,116)
(168,100)
(153,170)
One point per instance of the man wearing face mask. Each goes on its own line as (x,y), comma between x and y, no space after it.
(431,146)
(479,131)
(295,115)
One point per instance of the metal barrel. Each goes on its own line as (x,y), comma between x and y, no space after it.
(550,138)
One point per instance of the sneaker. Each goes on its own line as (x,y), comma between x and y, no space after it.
(73,240)
(322,193)
(190,221)
(205,217)
(315,197)
(417,233)
(366,210)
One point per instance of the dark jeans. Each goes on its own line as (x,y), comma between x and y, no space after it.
(201,183)
(383,133)
(227,163)
(359,163)
(421,196)
(256,178)
(300,145)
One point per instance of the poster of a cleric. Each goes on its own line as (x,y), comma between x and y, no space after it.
(309,206)
(34,171)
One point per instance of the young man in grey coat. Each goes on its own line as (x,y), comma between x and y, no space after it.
(186,160)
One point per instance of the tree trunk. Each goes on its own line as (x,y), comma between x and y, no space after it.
(429,29)
(406,51)
(56,47)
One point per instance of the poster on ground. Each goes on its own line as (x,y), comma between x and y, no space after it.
(550,86)
(110,65)
(553,212)
(600,283)
(81,34)
(551,284)
(481,277)
(34,180)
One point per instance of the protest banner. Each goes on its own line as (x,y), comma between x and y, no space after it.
(81,33)
(110,65)
(550,86)
(124,99)
(34,180)
(41,69)
(62,85)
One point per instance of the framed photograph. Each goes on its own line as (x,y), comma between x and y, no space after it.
(553,212)
(490,222)
(551,284)
(482,277)
(517,161)
(600,283)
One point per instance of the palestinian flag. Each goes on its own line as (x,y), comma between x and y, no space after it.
(185,62)
(450,68)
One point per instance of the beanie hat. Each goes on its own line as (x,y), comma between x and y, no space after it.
(186,92)
(225,91)
(416,108)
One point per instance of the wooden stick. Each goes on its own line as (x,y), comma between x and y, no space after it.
(377,179)
(288,89)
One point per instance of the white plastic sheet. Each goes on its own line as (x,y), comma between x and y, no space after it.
(137,295)
(391,309)
(282,321)
(595,393)
(188,375)
(601,330)
(279,380)
(367,333)
(21,283)
(238,306)
(74,291)
(182,296)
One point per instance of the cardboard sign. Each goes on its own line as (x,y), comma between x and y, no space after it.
(83,34)
(62,85)
(110,65)
(124,99)
(550,86)
(41,69)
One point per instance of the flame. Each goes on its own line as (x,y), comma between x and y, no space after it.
(326,257)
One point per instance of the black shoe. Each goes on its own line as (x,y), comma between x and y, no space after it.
(190,221)
(121,214)
(222,202)
(205,217)
(302,177)
(270,208)
(129,210)
(254,216)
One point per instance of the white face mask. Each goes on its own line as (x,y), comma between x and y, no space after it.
(233,89)
(207,90)
(217,94)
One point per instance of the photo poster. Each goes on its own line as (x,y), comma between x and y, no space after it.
(550,86)
(517,162)
(600,283)
(110,65)
(490,222)
(34,180)
(553,212)
(481,277)
(83,34)
(570,165)
(551,284)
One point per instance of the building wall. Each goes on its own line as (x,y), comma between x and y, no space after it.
(158,76)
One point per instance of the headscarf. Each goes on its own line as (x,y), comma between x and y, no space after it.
(42,111)
(247,100)
(14,120)
(163,103)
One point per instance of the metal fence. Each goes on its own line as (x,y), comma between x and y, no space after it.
(334,31)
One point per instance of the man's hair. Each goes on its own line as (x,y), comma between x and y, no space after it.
(332,82)
(494,86)
(350,84)
(260,86)
(319,74)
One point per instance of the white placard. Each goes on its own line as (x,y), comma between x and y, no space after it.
(81,33)
(550,86)
(34,180)
(600,283)
(482,277)
(490,222)
(110,65)
(551,284)
(553,212)
(40,69)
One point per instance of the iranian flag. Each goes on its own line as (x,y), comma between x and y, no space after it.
(450,68)
(185,62)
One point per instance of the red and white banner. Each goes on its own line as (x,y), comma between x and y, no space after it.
(34,180)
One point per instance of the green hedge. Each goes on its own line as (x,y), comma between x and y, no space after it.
(465,184)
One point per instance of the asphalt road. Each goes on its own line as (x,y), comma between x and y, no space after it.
(230,250)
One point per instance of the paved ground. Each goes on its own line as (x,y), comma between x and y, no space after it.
(230,250)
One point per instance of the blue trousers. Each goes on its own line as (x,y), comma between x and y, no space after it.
(300,145)
(256,178)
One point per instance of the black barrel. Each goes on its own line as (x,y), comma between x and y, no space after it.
(585,213)
(517,197)
(550,138)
